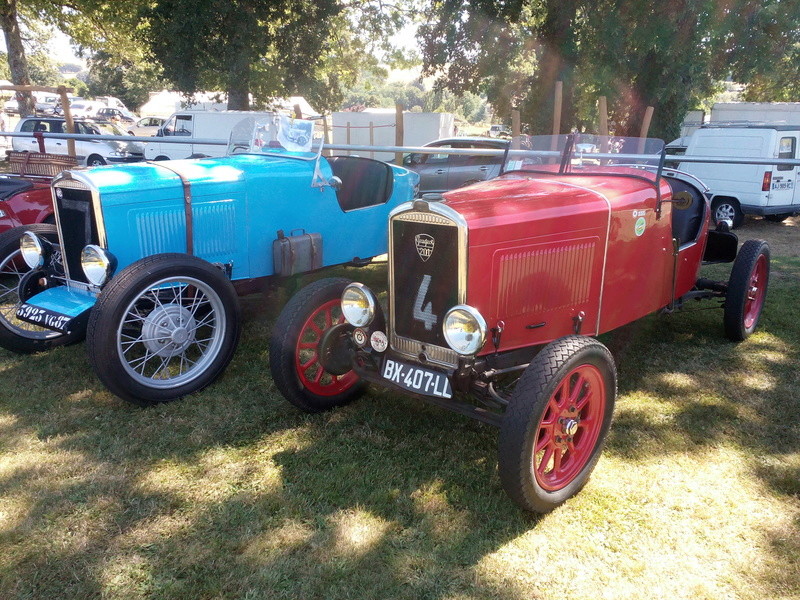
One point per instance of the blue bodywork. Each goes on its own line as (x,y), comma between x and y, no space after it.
(238,204)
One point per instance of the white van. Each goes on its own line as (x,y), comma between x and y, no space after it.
(205,124)
(738,190)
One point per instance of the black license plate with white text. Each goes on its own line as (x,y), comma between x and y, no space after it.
(417,379)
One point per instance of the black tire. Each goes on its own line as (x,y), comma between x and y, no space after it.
(296,371)
(727,208)
(162,157)
(180,297)
(15,335)
(777,218)
(540,415)
(747,290)
(95,160)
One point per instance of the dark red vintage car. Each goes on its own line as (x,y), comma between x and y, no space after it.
(497,290)
(23,201)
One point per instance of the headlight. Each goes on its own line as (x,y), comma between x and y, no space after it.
(464,329)
(35,250)
(97,264)
(358,305)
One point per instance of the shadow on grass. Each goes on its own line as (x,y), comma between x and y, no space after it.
(232,493)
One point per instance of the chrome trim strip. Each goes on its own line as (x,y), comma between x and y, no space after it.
(76,180)
(420,211)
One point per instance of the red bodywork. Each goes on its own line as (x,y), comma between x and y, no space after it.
(546,253)
(24,201)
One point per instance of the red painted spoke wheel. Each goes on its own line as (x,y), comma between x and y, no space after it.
(556,421)
(296,345)
(309,369)
(747,290)
(569,427)
(756,292)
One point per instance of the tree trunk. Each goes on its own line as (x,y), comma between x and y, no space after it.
(17,62)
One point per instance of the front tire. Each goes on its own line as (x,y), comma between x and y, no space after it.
(15,335)
(727,209)
(556,423)
(295,349)
(747,290)
(166,326)
(95,160)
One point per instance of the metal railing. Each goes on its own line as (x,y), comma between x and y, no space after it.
(423,149)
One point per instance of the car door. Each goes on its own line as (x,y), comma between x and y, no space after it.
(785,178)
(433,171)
(465,170)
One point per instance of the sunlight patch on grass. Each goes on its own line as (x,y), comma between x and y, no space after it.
(439,517)
(356,532)
(288,537)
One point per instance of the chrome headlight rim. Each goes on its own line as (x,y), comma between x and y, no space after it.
(98,264)
(358,316)
(481,329)
(35,251)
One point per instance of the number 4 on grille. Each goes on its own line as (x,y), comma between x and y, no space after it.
(424,314)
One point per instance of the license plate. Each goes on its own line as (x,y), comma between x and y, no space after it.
(417,379)
(44,317)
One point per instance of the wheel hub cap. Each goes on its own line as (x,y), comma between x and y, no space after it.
(571,427)
(168,330)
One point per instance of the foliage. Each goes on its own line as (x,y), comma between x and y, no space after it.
(128,78)
(664,55)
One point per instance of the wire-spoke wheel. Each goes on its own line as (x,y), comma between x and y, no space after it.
(556,423)
(17,335)
(165,327)
(308,353)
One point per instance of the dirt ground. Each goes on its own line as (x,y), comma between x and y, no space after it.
(783,238)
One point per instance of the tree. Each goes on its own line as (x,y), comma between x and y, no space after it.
(130,78)
(17,61)
(637,53)
(267,47)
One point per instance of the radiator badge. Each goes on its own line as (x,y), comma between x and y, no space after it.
(424,243)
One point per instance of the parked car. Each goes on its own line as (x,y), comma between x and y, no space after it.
(496,294)
(146,126)
(442,172)
(203,124)
(92,152)
(738,190)
(147,258)
(115,115)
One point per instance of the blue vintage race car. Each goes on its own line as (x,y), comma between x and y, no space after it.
(146,259)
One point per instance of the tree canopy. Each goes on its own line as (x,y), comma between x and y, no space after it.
(638,54)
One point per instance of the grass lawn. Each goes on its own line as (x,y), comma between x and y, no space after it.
(232,493)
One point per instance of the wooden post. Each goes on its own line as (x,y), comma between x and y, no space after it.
(298,114)
(648,117)
(62,92)
(399,136)
(558,101)
(371,138)
(347,139)
(602,114)
(326,136)
(515,126)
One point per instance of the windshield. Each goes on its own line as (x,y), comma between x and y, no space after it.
(108,128)
(278,135)
(583,153)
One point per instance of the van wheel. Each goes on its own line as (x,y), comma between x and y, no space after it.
(161,158)
(778,218)
(727,209)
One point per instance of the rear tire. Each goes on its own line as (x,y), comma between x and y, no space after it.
(15,335)
(747,290)
(556,423)
(727,209)
(294,349)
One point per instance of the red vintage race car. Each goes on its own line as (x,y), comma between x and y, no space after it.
(497,290)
